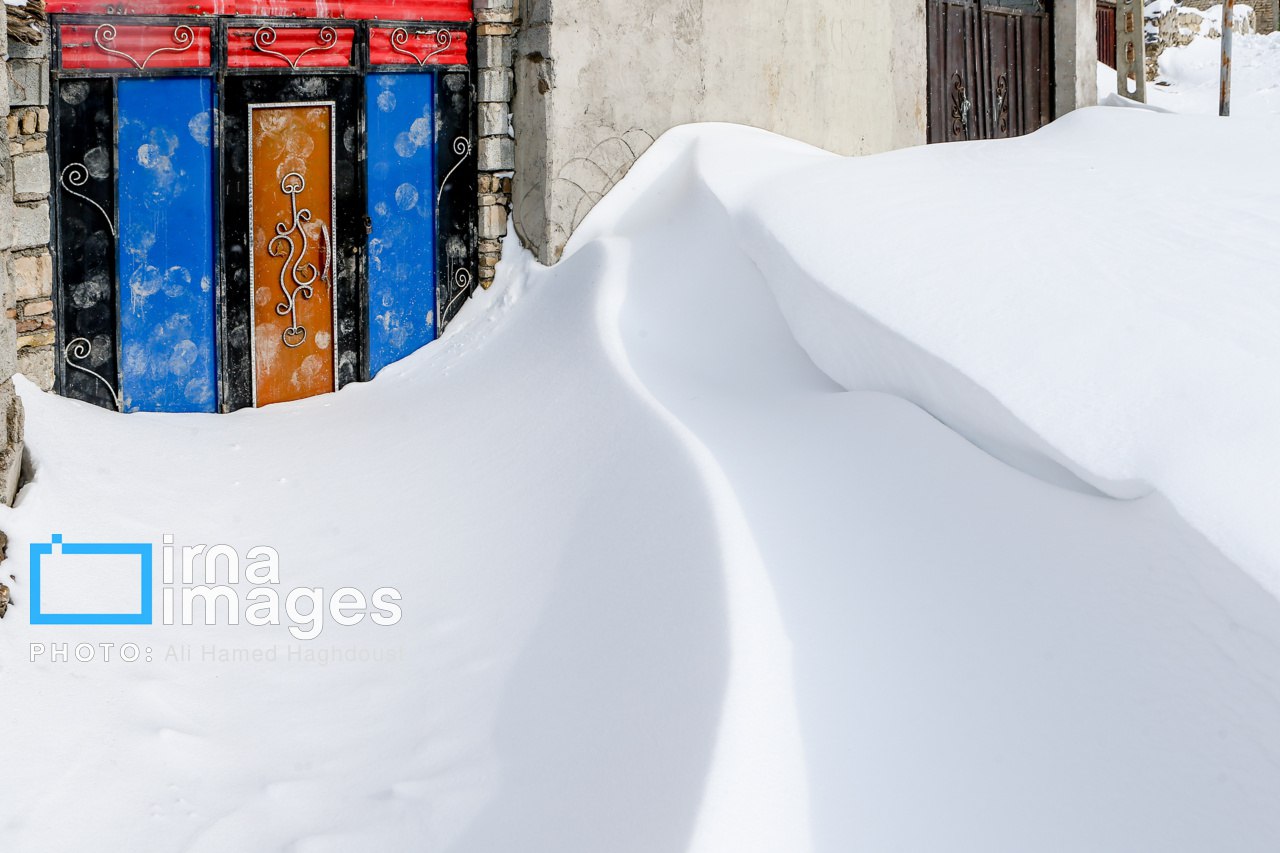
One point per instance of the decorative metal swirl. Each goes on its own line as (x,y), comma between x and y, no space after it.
(79,349)
(105,37)
(1002,102)
(303,276)
(264,37)
(400,37)
(76,175)
(960,107)
(458,276)
(461,279)
(461,147)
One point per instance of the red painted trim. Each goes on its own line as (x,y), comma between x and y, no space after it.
(137,7)
(421,45)
(350,10)
(156,47)
(407,10)
(303,46)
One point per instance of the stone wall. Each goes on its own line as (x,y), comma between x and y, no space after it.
(1264,10)
(1178,26)
(29,266)
(12,224)
(495,52)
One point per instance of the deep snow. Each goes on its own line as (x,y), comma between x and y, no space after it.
(669,586)
(1190,75)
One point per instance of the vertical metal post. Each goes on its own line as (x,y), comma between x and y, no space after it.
(1228,28)
(1131,46)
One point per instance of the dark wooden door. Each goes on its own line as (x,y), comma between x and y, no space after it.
(990,68)
(1107,32)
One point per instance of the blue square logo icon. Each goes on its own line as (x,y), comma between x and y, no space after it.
(76,583)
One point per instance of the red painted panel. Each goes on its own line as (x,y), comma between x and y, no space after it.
(433,47)
(280,47)
(109,46)
(139,7)
(351,10)
(406,10)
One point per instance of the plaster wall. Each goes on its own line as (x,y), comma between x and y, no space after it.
(598,80)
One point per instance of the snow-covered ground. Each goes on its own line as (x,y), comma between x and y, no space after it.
(917,502)
(1190,75)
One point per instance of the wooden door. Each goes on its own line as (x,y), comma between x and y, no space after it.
(990,68)
(294,232)
(954,81)
(292,211)
(1107,32)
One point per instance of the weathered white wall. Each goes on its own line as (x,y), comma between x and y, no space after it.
(598,80)
(1076,47)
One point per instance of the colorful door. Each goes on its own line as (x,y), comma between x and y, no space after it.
(402,293)
(167,329)
(294,234)
(253,210)
(294,271)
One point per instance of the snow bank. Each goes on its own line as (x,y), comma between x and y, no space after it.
(669,586)
(1189,75)
(995,285)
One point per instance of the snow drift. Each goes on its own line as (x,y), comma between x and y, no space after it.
(707,539)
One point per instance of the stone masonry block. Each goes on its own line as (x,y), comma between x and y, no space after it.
(31,174)
(30,226)
(37,365)
(28,82)
(22,50)
(494,86)
(32,277)
(497,154)
(493,222)
(493,120)
(4,89)
(494,51)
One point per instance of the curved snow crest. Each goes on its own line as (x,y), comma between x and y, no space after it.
(1071,310)
(741,809)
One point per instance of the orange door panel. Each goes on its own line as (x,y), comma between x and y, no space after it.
(293,273)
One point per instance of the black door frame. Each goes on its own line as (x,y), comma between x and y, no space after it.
(78,241)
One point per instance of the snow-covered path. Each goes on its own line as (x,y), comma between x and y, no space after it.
(667,587)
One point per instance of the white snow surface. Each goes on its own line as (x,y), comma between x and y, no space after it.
(915,502)
(1190,75)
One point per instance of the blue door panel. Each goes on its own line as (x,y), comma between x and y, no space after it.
(401,145)
(166,245)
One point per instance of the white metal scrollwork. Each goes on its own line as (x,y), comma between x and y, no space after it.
(302,276)
(400,37)
(79,349)
(264,37)
(461,147)
(104,37)
(459,276)
(76,175)
(462,280)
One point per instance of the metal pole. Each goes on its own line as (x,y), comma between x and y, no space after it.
(1228,27)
